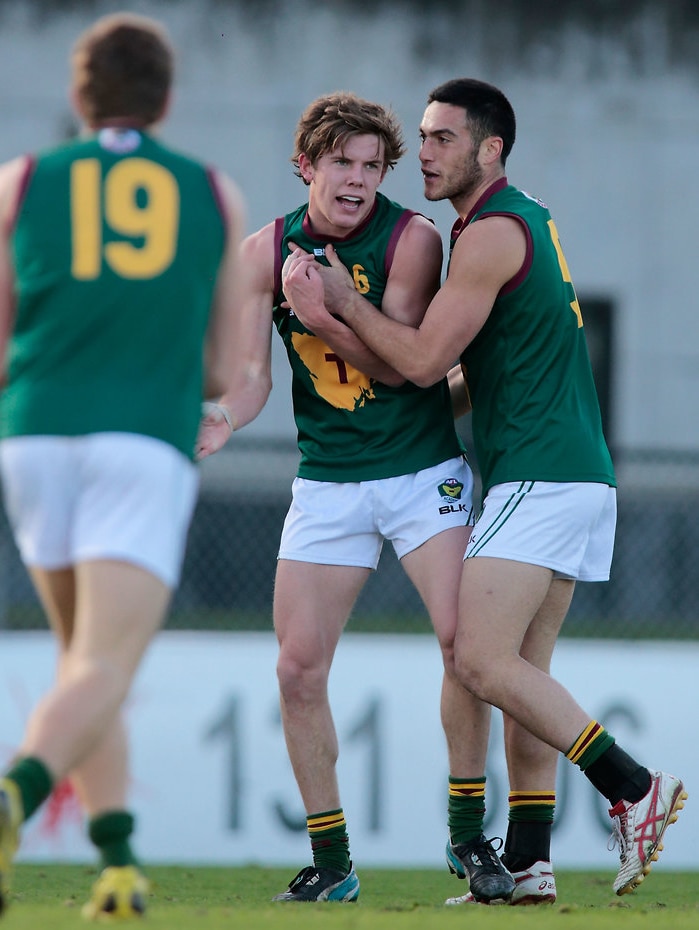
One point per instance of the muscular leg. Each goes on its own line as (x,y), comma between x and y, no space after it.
(500,600)
(531,764)
(101,780)
(311,606)
(435,569)
(119,608)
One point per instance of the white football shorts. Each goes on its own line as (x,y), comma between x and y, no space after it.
(567,527)
(345,523)
(120,496)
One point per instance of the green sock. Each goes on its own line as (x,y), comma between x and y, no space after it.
(613,772)
(34,781)
(593,742)
(466,809)
(110,833)
(329,840)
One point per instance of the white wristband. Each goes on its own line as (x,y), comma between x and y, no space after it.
(208,408)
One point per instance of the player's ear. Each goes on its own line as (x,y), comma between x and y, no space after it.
(305,168)
(490,150)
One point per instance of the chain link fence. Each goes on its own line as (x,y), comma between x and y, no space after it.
(229,567)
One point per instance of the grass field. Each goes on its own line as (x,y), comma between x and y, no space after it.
(49,898)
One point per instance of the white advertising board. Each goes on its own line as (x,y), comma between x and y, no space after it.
(212,783)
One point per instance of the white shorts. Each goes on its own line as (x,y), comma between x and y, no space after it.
(567,527)
(119,496)
(345,523)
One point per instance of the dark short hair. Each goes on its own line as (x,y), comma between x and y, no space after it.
(123,67)
(488,111)
(327,123)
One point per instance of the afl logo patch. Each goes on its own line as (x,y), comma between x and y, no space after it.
(450,489)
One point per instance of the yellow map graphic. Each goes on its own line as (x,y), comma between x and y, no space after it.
(336,382)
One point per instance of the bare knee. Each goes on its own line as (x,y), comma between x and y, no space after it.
(474,673)
(97,674)
(448,658)
(301,681)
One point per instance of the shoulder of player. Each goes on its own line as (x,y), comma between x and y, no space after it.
(258,254)
(13,176)
(422,225)
(495,246)
(419,238)
(419,232)
(491,230)
(260,244)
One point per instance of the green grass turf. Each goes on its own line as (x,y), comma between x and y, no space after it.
(49,898)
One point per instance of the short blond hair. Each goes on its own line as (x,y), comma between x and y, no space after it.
(327,123)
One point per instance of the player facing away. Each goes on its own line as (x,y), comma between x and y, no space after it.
(509,309)
(380,459)
(118,274)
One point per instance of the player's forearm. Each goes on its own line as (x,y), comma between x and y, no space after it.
(396,343)
(349,347)
(245,398)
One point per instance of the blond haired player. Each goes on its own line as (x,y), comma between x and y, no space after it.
(380,460)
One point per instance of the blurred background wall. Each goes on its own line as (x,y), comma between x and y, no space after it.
(607,98)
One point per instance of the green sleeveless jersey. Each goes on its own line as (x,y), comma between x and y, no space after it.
(535,410)
(352,427)
(116,249)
